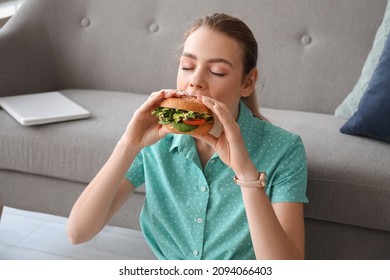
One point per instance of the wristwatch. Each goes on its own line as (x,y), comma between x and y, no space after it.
(261,183)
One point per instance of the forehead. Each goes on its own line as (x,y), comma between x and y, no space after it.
(208,43)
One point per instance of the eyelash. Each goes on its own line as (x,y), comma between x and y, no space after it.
(216,74)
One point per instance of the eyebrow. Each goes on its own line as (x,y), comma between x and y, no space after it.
(212,60)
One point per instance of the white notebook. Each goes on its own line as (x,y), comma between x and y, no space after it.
(42,108)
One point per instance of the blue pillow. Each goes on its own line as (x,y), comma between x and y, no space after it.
(350,104)
(372,119)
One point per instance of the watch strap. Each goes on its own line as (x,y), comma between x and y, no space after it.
(260,183)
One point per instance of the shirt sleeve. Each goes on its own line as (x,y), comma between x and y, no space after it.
(290,182)
(135,174)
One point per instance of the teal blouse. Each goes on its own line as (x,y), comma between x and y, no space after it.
(195,213)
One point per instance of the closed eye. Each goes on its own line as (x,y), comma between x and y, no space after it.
(218,74)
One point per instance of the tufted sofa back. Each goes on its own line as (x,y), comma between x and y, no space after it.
(311,51)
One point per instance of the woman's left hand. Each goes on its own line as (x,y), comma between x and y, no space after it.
(277,230)
(230,145)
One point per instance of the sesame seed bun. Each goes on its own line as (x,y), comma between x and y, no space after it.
(188,103)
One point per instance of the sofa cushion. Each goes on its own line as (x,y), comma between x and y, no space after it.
(350,104)
(372,119)
(348,176)
(73,150)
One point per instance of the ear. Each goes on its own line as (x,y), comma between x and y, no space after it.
(249,83)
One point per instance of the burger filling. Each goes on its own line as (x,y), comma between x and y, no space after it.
(184,121)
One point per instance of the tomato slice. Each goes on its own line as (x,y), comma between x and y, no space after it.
(194,121)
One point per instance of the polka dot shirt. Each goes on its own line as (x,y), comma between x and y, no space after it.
(192,212)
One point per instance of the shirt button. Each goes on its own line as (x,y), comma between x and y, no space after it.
(199,220)
(203,189)
(195,252)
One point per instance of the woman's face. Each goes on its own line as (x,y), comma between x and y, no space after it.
(211,65)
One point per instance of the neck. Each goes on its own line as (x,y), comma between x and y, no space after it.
(205,152)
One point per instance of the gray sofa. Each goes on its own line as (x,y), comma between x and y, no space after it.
(109,55)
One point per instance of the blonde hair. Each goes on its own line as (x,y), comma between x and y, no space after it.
(238,30)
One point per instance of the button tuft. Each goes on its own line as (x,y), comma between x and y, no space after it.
(85,22)
(306,39)
(154,27)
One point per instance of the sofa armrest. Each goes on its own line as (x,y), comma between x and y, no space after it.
(26,60)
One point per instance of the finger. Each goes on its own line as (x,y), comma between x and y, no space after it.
(174,93)
(155,99)
(162,131)
(171,93)
(223,114)
(214,105)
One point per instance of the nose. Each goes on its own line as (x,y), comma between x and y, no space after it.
(197,82)
(195,85)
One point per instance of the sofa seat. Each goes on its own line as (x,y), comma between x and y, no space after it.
(342,187)
(73,150)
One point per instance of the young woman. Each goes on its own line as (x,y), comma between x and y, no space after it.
(193,208)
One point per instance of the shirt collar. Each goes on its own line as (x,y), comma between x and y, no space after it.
(181,142)
(248,125)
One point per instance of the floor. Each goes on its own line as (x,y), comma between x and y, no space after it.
(28,235)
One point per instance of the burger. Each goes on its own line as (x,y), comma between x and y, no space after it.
(185,115)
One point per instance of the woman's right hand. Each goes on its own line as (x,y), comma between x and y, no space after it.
(143,129)
(105,194)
